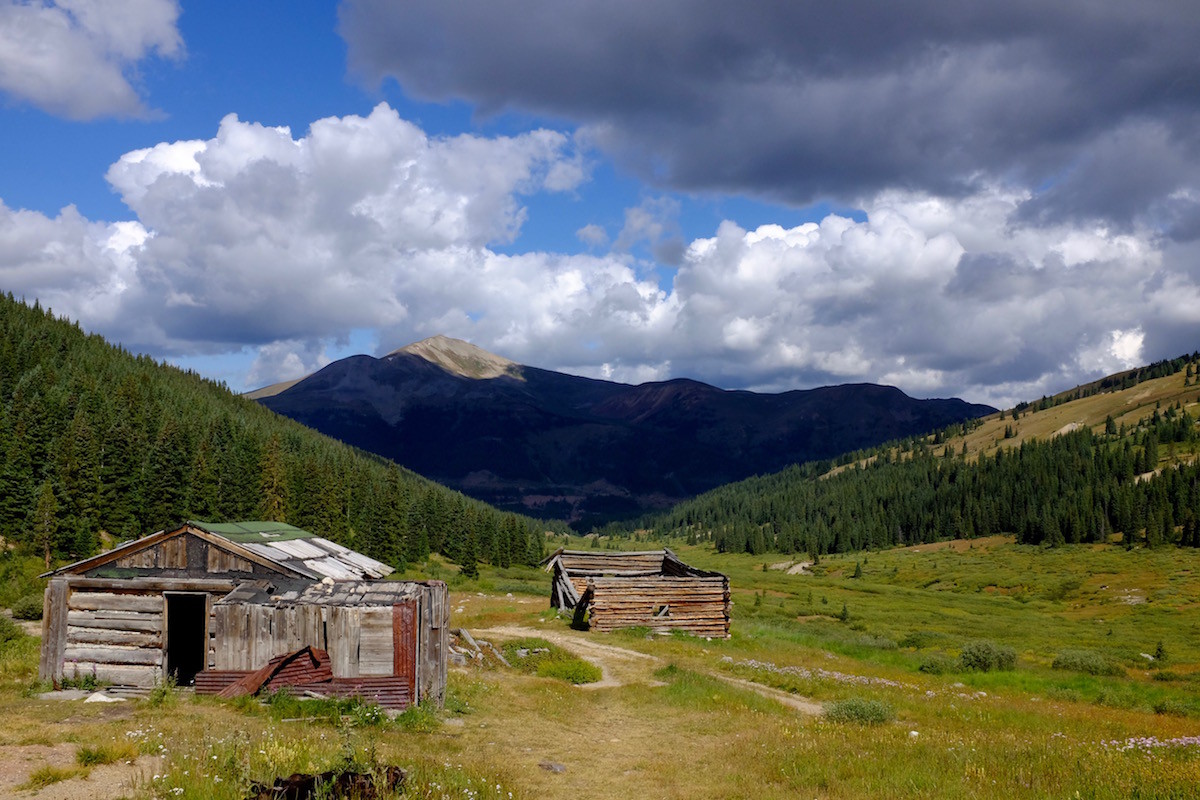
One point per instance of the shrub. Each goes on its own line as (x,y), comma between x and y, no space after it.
(9,631)
(28,607)
(985,656)
(1086,661)
(863,712)
(919,640)
(938,664)
(1170,706)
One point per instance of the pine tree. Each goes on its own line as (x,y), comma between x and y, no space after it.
(45,521)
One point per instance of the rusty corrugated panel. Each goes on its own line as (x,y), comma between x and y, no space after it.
(388,691)
(306,665)
(212,681)
(404,643)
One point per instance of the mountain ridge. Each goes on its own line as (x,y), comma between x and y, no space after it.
(586,449)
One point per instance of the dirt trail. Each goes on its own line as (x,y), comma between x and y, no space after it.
(106,782)
(620,666)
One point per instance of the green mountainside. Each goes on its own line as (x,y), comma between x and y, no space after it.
(94,439)
(1115,457)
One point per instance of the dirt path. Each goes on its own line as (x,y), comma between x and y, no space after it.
(620,666)
(106,782)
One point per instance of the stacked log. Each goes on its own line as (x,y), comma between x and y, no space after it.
(699,606)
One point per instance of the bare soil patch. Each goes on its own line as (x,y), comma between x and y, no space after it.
(105,782)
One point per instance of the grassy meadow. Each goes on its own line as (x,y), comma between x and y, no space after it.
(1102,700)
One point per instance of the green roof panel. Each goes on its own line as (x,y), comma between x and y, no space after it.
(253,531)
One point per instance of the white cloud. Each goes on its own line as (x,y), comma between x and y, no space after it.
(259,239)
(1127,346)
(592,235)
(71,58)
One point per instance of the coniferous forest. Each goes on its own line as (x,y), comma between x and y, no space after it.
(95,439)
(1081,486)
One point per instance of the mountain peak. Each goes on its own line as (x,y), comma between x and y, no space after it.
(460,358)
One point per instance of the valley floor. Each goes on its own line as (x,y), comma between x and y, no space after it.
(785,708)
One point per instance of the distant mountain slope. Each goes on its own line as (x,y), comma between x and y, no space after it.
(94,439)
(1119,456)
(584,449)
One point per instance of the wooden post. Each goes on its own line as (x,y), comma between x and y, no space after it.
(54,630)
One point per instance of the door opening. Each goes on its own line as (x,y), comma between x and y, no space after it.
(186,636)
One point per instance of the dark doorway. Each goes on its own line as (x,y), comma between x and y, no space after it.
(186,636)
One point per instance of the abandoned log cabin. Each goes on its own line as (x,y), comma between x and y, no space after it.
(207,603)
(610,590)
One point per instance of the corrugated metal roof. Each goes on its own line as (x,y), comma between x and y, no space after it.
(299,550)
(338,593)
(253,530)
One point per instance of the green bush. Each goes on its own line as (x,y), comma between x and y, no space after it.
(938,664)
(9,631)
(863,712)
(28,607)
(985,656)
(1086,661)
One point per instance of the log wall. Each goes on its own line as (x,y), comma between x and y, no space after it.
(697,605)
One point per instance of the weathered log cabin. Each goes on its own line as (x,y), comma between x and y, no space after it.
(654,589)
(223,597)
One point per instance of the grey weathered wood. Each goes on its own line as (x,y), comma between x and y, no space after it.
(111,601)
(121,675)
(54,629)
(80,636)
(375,641)
(116,620)
(111,654)
(154,584)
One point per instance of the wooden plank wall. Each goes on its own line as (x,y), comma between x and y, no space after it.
(220,561)
(246,636)
(697,605)
(168,554)
(375,645)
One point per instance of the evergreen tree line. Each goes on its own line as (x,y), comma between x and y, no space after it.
(1078,487)
(95,439)
(1115,383)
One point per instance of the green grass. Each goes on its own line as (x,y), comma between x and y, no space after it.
(540,657)
(685,730)
(46,775)
(92,756)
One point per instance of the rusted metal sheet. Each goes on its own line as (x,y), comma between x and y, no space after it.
(307,665)
(404,644)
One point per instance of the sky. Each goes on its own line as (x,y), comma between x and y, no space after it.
(993,201)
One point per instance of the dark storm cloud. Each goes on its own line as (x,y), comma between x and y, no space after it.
(800,101)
